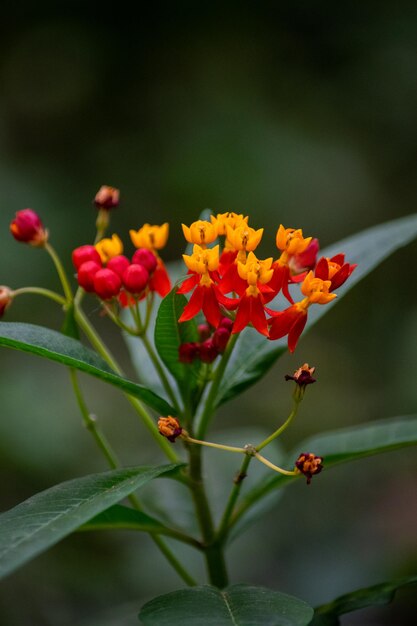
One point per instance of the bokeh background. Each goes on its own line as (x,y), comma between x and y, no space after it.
(301,113)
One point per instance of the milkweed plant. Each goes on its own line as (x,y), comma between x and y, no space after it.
(208,332)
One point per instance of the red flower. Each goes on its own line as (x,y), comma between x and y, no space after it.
(334,269)
(204,298)
(160,281)
(251,311)
(290,322)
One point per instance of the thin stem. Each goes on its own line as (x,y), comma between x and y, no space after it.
(217,379)
(179,568)
(91,424)
(40,291)
(113,462)
(160,370)
(231,503)
(219,446)
(114,318)
(280,470)
(213,551)
(281,428)
(61,272)
(137,405)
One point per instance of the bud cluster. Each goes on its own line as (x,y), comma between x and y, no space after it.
(211,343)
(116,276)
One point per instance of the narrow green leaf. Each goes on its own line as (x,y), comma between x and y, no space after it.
(124,518)
(253,355)
(328,614)
(238,605)
(339,446)
(68,351)
(41,521)
(169,335)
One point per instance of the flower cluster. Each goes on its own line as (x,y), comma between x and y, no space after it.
(104,270)
(236,281)
(212,343)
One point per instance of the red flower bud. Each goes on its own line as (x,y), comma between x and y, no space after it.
(6,297)
(86,274)
(208,351)
(28,228)
(204,331)
(107,197)
(220,339)
(83,254)
(107,284)
(145,257)
(227,323)
(135,278)
(118,264)
(187,352)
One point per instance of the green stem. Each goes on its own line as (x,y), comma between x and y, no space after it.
(112,460)
(212,394)
(280,470)
(137,405)
(160,370)
(61,272)
(218,446)
(40,291)
(91,424)
(281,428)
(231,503)
(179,568)
(213,552)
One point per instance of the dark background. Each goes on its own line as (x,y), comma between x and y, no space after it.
(299,113)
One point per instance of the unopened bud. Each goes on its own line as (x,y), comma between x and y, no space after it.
(107,284)
(135,278)
(107,197)
(118,264)
(204,331)
(309,464)
(145,257)
(220,339)
(27,227)
(169,427)
(86,274)
(83,254)
(208,351)
(6,298)
(187,352)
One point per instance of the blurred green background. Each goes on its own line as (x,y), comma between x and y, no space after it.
(299,113)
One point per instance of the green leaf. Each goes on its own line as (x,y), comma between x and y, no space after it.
(124,518)
(41,521)
(328,614)
(68,351)
(238,605)
(169,335)
(253,355)
(339,446)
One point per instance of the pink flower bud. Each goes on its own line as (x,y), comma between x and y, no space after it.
(227,323)
(187,352)
(86,273)
(204,331)
(220,339)
(28,228)
(83,254)
(107,197)
(6,297)
(135,278)
(118,264)
(107,284)
(208,351)
(145,257)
